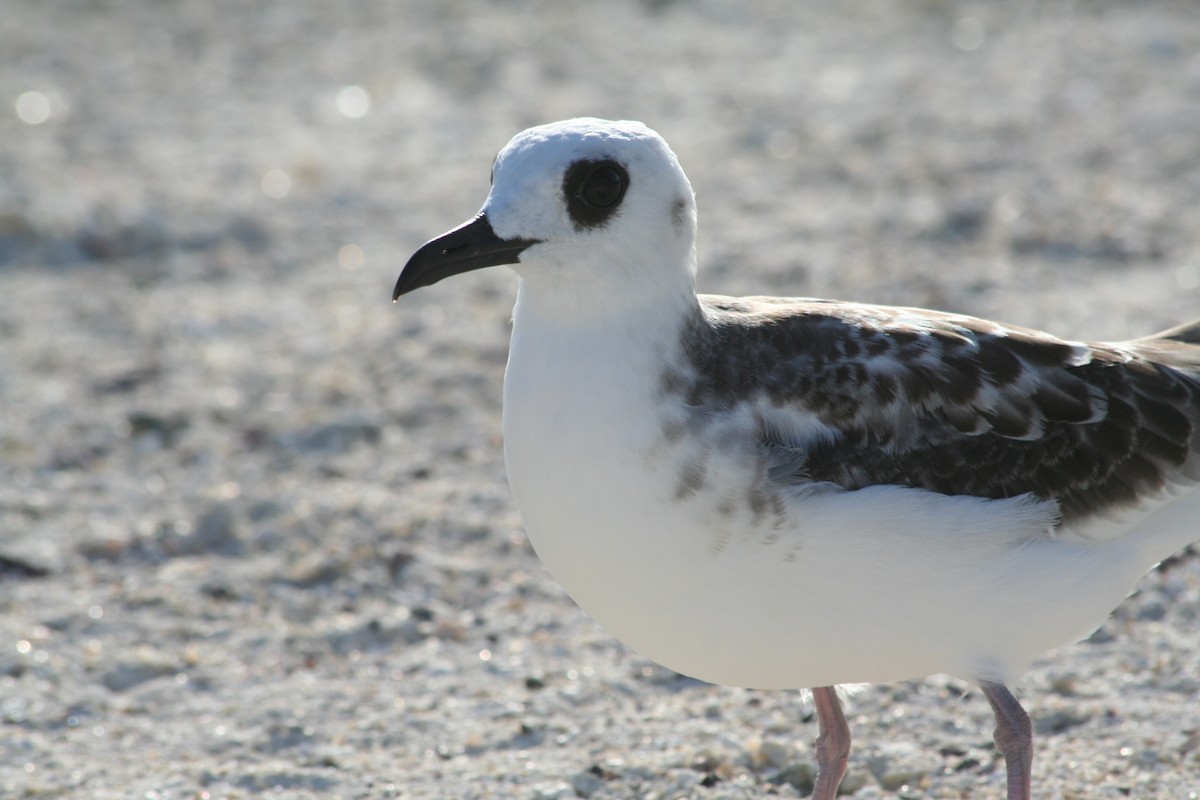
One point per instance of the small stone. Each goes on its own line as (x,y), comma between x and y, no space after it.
(17,567)
(854,781)
(128,380)
(801,775)
(768,753)
(1183,684)
(1065,684)
(586,783)
(216,525)
(314,568)
(708,763)
(261,510)
(339,436)
(214,532)
(1061,719)
(167,427)
(1152,611)
(553,791)
(896,764)
(682,782)
(144,664)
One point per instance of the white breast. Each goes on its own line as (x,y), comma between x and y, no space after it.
(881,584)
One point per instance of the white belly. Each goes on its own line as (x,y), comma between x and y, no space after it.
(875,585)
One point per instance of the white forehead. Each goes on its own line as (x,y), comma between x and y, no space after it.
(528,173)
(569,140)
(547,150)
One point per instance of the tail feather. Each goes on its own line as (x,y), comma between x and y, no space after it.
(1187,333)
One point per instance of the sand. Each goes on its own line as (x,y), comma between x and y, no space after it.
(255,536)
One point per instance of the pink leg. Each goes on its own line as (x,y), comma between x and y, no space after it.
(833,743)
(1014,737)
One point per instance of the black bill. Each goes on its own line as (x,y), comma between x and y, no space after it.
(472,245)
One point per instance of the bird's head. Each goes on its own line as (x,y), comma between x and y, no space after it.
(587,203)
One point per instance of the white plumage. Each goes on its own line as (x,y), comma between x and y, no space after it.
(794,493)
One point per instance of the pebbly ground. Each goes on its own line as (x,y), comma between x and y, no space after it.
(254,531)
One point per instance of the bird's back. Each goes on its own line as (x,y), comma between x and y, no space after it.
(959,405)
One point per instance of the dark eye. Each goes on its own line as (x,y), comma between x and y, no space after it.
(593,191)
(604,187)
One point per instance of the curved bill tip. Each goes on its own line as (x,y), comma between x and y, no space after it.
(472,245)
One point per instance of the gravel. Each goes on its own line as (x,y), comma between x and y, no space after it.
(254,531)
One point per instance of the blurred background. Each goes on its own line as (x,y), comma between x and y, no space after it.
(254,530)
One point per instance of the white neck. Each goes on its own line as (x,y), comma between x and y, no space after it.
(655,281)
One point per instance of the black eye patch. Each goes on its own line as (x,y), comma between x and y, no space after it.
(594,191)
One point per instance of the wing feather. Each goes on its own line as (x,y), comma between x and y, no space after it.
(952,403)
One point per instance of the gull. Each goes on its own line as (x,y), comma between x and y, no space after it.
(783,493)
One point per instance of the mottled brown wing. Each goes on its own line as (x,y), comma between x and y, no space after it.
(956,404)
